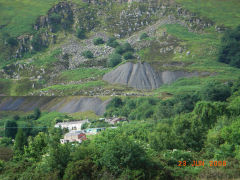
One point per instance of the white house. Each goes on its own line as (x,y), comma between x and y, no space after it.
(74,136)
(72,125)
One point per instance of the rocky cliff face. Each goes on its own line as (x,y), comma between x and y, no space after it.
(143,76)
(122,22)
(59,15)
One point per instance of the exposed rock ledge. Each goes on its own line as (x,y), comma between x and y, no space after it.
(143,76)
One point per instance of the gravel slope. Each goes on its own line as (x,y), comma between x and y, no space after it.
(60,104)
(142,76)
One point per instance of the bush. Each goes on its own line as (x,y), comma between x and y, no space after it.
(1,165)
(37,113)
(85,126)
(215,91)
(112,42)
(126,47)
(114,59)
(98,41)
(11,128)
(16,117)
(115,102)
(81,33)
(229,52)
(87,54)
(36,42)
(122,152)
(143,36)
(119,50)
(5,142)
(128,55)
(12,41)
(55,18)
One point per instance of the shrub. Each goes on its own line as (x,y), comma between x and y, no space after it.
(87,54)
(115,102)
(215,91)
(55,18)
(1,165)
(143,36)
(112,42)
(16,117)
(85,125)
(126,47)
(81,33)
(128,55)
(5,142)
(36,113)
(119,50)
(11,128)
(37,42)
(114,59)
(98,41)
(229,52)
(12,41)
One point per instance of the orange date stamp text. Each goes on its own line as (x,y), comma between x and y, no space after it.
(202,163)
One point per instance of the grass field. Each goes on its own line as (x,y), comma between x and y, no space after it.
(73,89)
(226,12)
(82,73)
(17,16)
(203,56)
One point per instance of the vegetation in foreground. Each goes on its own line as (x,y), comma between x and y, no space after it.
(187,127)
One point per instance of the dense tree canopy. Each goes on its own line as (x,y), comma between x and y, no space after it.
(230,49)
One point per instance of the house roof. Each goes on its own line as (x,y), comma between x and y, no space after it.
(72,122)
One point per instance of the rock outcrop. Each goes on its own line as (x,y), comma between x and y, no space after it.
(143,76)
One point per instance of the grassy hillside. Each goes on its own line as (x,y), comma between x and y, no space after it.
(224,12)
(17,17)
(200,48)
(203,49)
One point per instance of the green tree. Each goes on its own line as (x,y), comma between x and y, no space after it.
(190,130)
(87,54)
(114,59)
(12,41)
(163,138)
(59,154)
(128,55)
(11,129)
(229,52)
(20,141)
(215,91)
(37,146)
(126,47)
(81,33)
(80,169)
(85,125)
(37,42)
(119,153)
(98,41)
(16,117)
(112,42)
(143,36)
(36,113)
(115,102)
(5,142)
